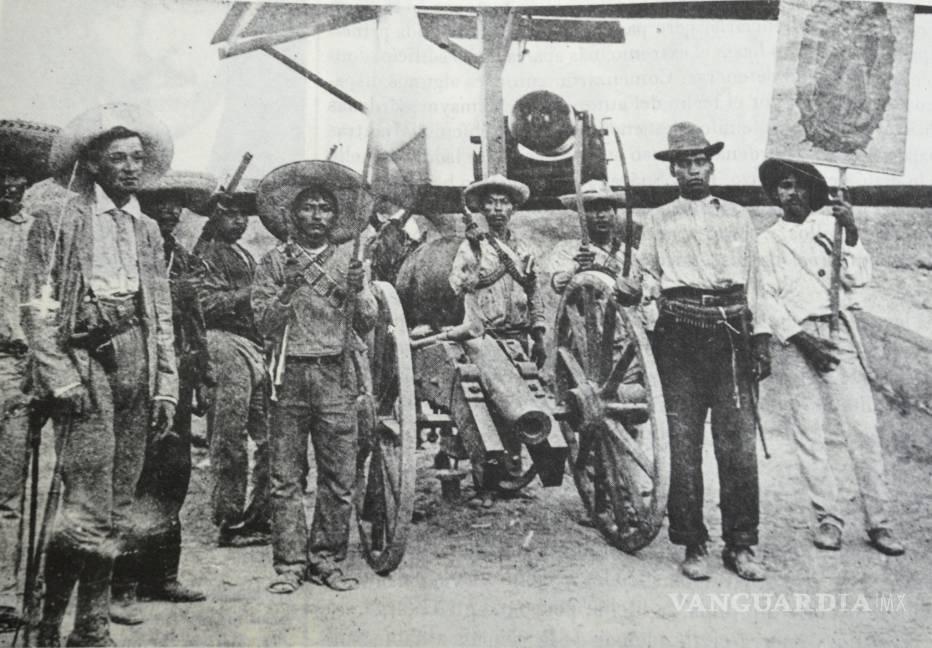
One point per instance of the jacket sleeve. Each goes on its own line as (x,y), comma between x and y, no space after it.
(779,319)
(757,299)
(271,315)
(42,315)
(220,299)
(166,381)
(465,270)
(367,310)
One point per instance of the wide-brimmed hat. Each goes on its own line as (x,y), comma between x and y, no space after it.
(25,147)
(74,138)
(595,191)
(277,192)
(517,191)
(243,198)
(685,139)
(193,188)
(773,170)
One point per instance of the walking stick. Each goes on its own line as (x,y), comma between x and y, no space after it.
(835,289)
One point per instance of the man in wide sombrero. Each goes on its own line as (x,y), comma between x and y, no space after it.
(98,317)
(24,154)
(300,299)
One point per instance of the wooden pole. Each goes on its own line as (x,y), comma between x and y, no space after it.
(577,184)
(629,211)
(496,40)
(839,239)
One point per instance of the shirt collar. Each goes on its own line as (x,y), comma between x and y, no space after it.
(105,204)
(708,200)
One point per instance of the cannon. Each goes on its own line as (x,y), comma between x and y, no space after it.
(487,399)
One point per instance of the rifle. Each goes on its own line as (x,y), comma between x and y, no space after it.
(754,385)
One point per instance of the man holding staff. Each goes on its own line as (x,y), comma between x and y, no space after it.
(820,371)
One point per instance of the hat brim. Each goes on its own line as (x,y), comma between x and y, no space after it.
(278,190)
(25,147)
(671,155)
(194,189)
(615,199)
(517,191)
(70,144)
(773,170)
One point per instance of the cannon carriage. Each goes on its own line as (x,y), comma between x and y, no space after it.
(604,423)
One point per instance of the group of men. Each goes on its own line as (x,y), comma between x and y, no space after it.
(118,334)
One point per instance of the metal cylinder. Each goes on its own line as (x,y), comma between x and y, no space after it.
(506,390)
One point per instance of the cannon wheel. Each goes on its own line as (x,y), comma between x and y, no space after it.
(385,465)
(619,448)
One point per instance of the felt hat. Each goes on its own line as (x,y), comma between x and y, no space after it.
(72,141)
(25,147)
(517,191)
(773,170)
(193,188)
(278,190)
(595,191)
(243,198)
(685,139)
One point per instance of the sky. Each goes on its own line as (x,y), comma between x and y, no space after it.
(61,57)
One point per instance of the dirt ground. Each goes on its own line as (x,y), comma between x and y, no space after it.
(526,573)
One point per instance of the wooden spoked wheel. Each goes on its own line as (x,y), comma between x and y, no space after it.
(615,421)
(385,463)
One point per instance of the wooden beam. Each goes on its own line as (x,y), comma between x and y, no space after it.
(460,24)
(313,78)
(493,23)
(432,33)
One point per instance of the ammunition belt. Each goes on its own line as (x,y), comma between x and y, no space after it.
(493,277)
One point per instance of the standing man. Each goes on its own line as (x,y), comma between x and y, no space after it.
(817,371)
(239,408)
(499,268)
(98,318)
(300,298)
(24,153)
(166,472)
(702,251)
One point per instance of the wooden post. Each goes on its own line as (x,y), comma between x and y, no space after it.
(495,34)
(839,241)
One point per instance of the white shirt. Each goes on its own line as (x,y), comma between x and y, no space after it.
(709,244)
(115,267)
(796,272)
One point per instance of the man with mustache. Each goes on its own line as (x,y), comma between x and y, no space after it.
(24,152)
(98,316)
(300,296)
(702,251)
(239,408)
(817,371)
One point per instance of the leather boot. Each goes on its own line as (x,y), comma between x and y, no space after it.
(159,581)
(92,616)
(63,564)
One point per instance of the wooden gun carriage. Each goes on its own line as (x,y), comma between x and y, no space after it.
(604,423)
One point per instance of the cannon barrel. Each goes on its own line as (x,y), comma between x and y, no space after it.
(507,391)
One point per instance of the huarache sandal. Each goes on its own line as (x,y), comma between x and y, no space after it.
(285,583)
(10,619)
(334,579)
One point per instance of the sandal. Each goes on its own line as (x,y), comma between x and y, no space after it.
(285,583)
(334,579)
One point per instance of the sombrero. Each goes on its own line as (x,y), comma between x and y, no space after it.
(73,139)
(518,191)
(278,190)
(685,139)
(773,170)
(192,187)
(595,191)
(25,146)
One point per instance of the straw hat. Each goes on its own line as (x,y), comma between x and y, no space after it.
(517,191)
(277,192)
(685,139)
(25,146)
(595,191)
(72,141)
(192,187)
(773,170)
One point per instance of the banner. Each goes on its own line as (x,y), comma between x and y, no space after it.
(841,84)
